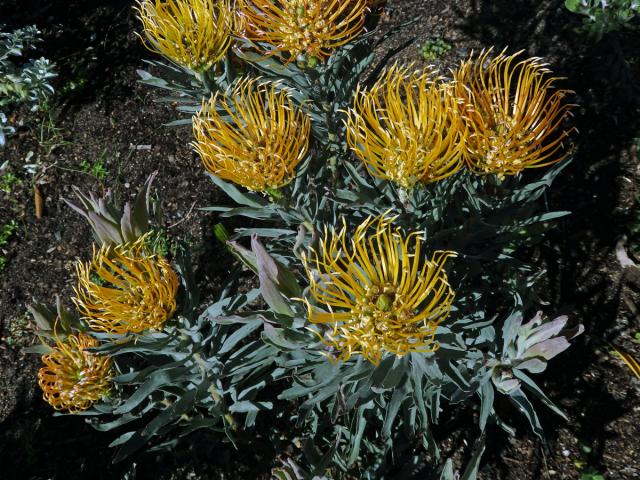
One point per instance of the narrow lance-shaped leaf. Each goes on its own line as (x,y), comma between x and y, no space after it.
(275,281)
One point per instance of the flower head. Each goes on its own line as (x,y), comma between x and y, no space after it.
(311,29)
(514,114)
(380,293)
(72,378)
(193,33)
(407,128)
(262,143)
(126,289)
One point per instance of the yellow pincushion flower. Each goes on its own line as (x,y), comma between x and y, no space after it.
(381,295)
(262,143)
(311,29)
(72,378)
(126,289)
(514,114)
(193,33)
(407,128)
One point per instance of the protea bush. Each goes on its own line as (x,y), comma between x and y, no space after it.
(390,211)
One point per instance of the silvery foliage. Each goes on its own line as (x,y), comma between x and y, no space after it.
(21,81)
(362,412)
(348,416)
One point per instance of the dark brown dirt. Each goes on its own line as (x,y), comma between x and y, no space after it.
(110,118)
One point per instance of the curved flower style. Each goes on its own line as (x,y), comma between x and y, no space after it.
(72,378)
(125,289)
(380,294)
(303,29)
(262,144)
(407,128)
(193,33)
(514,114)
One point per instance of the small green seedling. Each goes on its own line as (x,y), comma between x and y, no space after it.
(591,474)
(95,169)
(587,472)
(8,181)
(19,332)
(5,233)
(159,243)
(433,49)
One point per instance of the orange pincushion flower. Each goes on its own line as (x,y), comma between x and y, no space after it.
(72,378)
(193,33)
(407,128)
(126,289)
(514,115)
(380,293)
(312,29)
(263,142)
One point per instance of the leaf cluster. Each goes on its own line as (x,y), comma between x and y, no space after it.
(605,16)
(21,82)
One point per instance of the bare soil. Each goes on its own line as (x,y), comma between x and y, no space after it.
(102,115)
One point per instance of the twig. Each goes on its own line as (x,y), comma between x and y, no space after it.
(75,170)
(544,461)
(37,198)
(185,217)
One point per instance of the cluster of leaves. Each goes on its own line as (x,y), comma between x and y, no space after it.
(21,82)
(258,350)
(605,16)
(8,181)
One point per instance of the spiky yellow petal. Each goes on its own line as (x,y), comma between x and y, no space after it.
(407,128)
(126,289)
(193,33)
(252,135)
(381,295)
(514,114)
(72,378)
(312,29)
